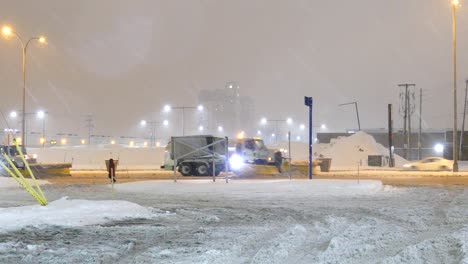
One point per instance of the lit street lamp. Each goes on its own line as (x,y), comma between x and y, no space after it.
(153,124)
(357,112)
(455,4)
(8,31)
(40,115)
(264,121)
(168,108)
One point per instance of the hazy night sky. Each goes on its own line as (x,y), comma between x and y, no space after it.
(126,59)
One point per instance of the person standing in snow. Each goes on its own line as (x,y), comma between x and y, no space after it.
(112,170)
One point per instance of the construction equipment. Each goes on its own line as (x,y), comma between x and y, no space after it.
(14,155)
(200,155)
(254,151)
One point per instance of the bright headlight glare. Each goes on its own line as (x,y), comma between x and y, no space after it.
(236,162)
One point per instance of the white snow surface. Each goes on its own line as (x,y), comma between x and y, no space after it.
(244,221)
(69,213)
(293,188)
(93,157)
(8,182)
(345,152)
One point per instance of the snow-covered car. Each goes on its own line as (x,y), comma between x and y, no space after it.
(430,164)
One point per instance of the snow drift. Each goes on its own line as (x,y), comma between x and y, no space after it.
(66,212)
(345,152)
(92,157)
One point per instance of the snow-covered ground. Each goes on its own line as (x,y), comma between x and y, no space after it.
(93,157)
(345,152)
(69,213)
(245,221)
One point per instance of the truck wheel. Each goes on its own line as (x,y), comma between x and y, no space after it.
(218,171)
(185,169)
(202,169)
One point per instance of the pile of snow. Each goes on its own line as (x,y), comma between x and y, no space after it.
(70,213)
(255,188)
(8,182)
(345,152)
(93,157)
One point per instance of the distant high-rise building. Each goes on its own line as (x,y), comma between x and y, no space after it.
(228,109)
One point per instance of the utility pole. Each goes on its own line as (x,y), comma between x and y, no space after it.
(90,125)
(463,123)
(420,123)
(407,120)
(455,4)
(390,136)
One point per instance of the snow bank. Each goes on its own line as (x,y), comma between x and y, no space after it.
(255,188)
(92,157)
(66,212)
(345,152)
(8,182)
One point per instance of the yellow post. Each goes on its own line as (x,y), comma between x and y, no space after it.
(31,191)
(30,172)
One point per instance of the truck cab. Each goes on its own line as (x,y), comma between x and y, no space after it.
(254,151)
(14,155)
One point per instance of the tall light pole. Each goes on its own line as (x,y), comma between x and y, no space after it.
(168,108)
(39,114)
(455,4)
(357,112)
(8,31)
(264,121)
(153,129)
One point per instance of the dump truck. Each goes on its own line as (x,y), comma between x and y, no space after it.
(198,155)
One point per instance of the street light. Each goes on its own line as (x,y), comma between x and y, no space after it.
(220,129)
(8,31)
(42,115)
(357,112)
(39,114)
(264,121)
(153,124)
(168,108)
(455,4)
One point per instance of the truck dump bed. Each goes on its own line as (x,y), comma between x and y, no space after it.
(196,146)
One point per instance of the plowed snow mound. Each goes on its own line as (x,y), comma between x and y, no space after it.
(345,152)
(65,212)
